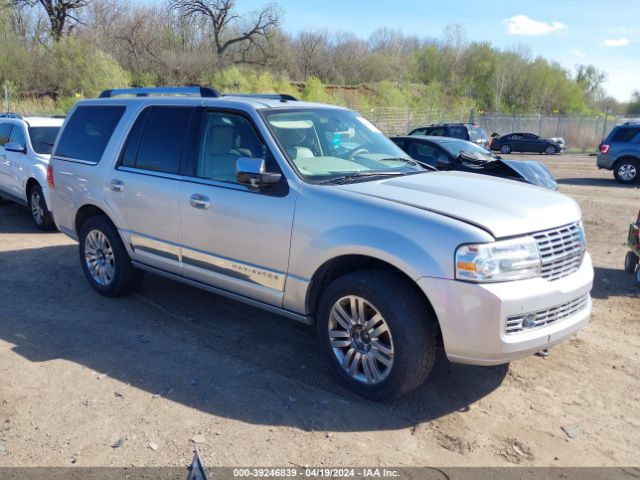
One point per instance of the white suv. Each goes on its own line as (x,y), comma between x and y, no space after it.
(308,210)
(25,148)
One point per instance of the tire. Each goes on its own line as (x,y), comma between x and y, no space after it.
(626,171)
(410,334)
(505,148)
(40,213)
(111,272)
(550,150)
(630,262)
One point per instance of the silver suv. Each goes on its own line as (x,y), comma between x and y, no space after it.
(25,147)
(309,211)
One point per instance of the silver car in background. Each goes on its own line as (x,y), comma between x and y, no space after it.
(308,210)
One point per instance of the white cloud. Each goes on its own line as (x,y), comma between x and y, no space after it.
(523,25)
(578,53)
(616,42)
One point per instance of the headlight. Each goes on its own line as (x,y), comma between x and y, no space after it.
(515,259)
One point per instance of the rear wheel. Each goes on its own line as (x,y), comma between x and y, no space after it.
(505,149)
(104,259)
(630,262)
(39,209)
(377,334)
(626,170)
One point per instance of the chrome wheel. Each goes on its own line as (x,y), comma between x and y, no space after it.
(361,340)
(505,149)
(98,255)
(627,172)
(37,209)
(550,150)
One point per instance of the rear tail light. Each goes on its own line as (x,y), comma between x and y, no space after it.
(604,148)
(50,180)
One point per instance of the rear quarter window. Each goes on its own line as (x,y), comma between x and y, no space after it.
(624,134)
(88,131)
(458,132)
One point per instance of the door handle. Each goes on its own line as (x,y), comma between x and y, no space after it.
(200,201)
(117,185)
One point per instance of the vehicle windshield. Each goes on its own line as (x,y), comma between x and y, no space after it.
(325,144)
(454,147)
(43,138)
(476,133)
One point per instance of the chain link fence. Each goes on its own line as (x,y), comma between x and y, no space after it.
(580,132)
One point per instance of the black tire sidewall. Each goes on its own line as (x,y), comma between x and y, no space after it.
(47,219)
(630,262)
(411,328)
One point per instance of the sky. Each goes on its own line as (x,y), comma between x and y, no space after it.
(605,33)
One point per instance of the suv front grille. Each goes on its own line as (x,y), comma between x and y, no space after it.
(561,250)
(542,318)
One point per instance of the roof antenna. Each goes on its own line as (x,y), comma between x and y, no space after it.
(196,470)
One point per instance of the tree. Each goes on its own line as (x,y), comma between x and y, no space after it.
(229,29)
(61,13)
(591,80)
(633,107)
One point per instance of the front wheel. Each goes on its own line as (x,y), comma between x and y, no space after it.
(39,209)
(505,149)
(104,259)
(377,334)
(630,262)
(550,150)
(626,171)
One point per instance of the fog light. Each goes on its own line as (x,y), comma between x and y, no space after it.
(529,321)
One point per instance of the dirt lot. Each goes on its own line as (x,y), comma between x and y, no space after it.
(91,381)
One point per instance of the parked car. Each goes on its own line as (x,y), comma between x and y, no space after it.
(445,153)
(25,148)
(620,152)
(524,142)
(309,211)
(465,131)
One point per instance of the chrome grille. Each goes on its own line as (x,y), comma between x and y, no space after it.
(561,250)
(542,318)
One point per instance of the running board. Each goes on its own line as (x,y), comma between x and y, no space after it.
(306,319)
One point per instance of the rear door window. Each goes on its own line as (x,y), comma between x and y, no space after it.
(17,136)
(88,131)
(625,134)
(436,131)
(5,131)
(156,140)
(458,132)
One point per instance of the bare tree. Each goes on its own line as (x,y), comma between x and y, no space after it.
(61,13)
(229,28)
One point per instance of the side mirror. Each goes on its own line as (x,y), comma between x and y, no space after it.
(14,147)
(251,172)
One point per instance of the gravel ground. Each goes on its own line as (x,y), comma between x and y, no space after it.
(91,381)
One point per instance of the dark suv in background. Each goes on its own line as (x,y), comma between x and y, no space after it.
(465,131)
(620,152)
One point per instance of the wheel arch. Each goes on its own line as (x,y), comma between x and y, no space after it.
(338,266)
(625,157)
(85,212)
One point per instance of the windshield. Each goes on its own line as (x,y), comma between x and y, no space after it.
(476,133)
(454,147)
(325,143)
(43,138)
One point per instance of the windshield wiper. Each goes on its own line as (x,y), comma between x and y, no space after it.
(356,175)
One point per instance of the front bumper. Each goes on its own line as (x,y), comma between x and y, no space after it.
(472,316)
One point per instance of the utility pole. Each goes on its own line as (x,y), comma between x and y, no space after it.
(6,97)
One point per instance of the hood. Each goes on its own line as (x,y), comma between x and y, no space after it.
(533,172)
(504,208)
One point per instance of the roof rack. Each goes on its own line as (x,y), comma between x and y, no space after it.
(283,97)
(145,92)
(631,123)
(10,115)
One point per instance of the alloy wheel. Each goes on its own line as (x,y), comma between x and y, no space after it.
(361,340)
(98,255)
(627,172)
(37,210)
